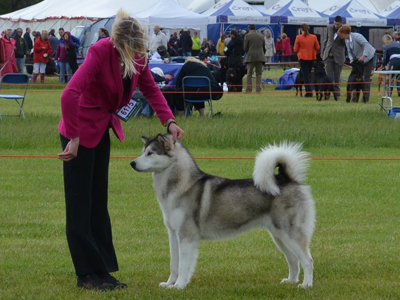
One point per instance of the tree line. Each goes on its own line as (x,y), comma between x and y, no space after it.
(7,6)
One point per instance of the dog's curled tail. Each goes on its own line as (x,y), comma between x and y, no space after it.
(288,156)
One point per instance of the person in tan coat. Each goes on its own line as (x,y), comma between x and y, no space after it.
(254,46)
(306,46)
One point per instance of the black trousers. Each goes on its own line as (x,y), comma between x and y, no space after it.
(88,225)
(305,69)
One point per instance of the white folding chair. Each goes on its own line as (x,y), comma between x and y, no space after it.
(199,85)
(15,79)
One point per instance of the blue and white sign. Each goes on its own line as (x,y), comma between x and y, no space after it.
(296,12)
(355,14)
(235,11)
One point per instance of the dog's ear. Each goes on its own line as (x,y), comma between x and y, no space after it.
(144,139)
(165,141)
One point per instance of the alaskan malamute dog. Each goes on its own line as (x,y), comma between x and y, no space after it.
(196,205)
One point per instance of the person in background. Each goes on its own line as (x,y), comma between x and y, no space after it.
(286,48)
(174,44)
(41,53)
(395,36)
(221,45)
(7,53)
(359,50)
(70,51)
(333,54)
(278,49)
(62,59)
(53,42)
(21,49)
(204,43)
(269,47)
(391,58)
(306,46)
(103,33)
(254,46)
(162,51)
(28,39)
(234,51)
(74,39)
(196,44)
(186,43)
(158,39)
(103,84)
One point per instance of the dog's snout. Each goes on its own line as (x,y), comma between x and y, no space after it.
(133,164)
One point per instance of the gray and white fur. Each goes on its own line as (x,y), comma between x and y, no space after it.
(198,206)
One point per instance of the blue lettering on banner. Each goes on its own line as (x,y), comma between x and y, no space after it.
(219,5)
(303,9)
(333,8)
(242,8)
(361,11)
(276,7)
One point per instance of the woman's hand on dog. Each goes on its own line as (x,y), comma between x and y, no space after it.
(175,130)
(70,151)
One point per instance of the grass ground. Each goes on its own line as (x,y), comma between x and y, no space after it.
(356,241)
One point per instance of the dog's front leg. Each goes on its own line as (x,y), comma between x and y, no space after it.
(188,249)
(174,258)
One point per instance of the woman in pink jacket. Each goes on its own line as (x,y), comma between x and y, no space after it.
(103,84)
(7,53)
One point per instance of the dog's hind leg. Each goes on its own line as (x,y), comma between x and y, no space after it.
(174,259)
(300,247)
(293,262)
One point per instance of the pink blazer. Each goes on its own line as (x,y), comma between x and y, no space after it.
(96,92)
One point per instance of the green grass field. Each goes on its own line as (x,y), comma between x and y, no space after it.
(355,245)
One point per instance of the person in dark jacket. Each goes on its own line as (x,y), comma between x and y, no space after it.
(70,50)
(20,51)
(193,67)
(28,39)
(53,42)
(186,42)
(235,51)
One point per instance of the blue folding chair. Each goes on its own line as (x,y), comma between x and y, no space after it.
(14,79)
(203,86)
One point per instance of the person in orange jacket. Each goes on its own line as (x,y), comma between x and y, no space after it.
(306,46)
(41,53)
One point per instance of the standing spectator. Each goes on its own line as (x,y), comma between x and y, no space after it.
(254,46)
(221,45)
(278,49)
(7,53)
(103,33)
(269,47)
(395,36)
(286,48)
(20,51)
(186,42)
(158,39)
(234,52)
(174,45)
(391,58)
(88,106)
(41,53)
(70,52)
(28,39)
(333,54)
(204,43)
(306,45)
(196,44)
(62,59)
(359,50)
(74,39)
(53,42)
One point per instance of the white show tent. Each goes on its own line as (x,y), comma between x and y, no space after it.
(69,14)
(355,14)
(295,12)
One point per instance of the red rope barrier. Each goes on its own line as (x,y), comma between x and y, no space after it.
(219,158)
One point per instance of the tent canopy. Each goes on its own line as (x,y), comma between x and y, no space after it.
(355,14)
(392,13)
(235,11)
(296,12)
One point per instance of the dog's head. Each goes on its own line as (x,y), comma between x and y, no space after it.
(157,155)
(357,69)
(231,73)
(319,68)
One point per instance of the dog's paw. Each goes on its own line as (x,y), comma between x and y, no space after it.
(288,280)
(164,284)
(305,285)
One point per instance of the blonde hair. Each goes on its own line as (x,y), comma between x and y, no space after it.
(284,36)
(44,31)
(129,38)
(192,59)
(7,31)
(387,39)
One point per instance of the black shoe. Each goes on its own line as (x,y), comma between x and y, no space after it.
(93,282)
(116,284)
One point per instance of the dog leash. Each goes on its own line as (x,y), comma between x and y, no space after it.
(4,65)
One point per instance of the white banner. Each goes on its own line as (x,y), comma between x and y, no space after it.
(249,20)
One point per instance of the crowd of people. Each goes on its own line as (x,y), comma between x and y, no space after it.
(45,53)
